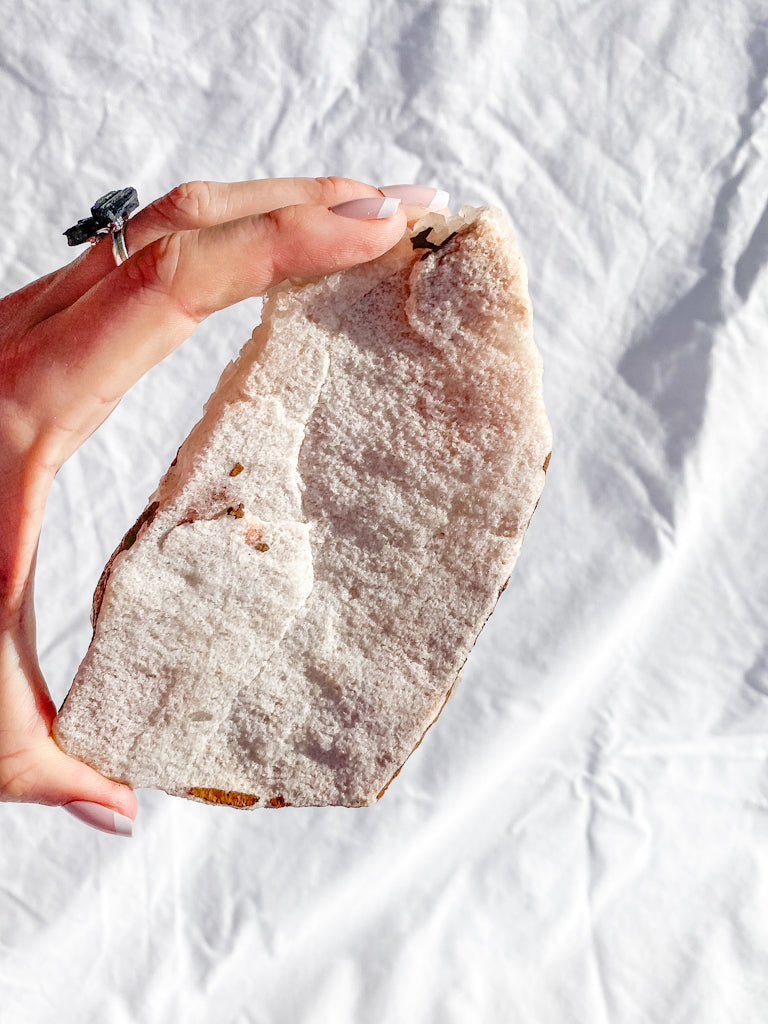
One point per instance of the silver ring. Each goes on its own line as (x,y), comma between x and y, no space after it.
(119,248)
(108,216)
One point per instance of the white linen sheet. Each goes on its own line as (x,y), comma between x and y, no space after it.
(583,836)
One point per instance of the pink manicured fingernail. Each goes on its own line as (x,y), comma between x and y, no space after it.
(418,195)
(100,817)
(374,208)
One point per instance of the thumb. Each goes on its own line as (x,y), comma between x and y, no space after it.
(57,779)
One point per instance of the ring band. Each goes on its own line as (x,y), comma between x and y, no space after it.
(119,248)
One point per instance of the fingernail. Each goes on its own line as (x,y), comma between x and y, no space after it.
(418,195)
(100,817)
(374,208)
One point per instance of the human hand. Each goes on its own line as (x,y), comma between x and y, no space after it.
(72,343)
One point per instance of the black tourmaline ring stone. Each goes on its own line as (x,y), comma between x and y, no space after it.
(108,212)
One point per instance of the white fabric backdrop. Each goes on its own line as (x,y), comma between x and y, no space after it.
(583,837)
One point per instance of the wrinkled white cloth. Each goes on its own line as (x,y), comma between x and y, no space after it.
(583,836)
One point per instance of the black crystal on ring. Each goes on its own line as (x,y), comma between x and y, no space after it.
(109,211)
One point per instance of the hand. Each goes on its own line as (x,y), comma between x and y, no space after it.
(72,343)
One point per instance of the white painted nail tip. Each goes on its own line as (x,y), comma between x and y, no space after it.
(418,195)
(373,208)
(123,824)
(99,817)
(440,200)
(389,207)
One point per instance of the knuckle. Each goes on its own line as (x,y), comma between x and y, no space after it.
(324,184)
(155,267)
(186,205)
(156,270)
(291,251)
(275,223)
(335,188)
(327,184)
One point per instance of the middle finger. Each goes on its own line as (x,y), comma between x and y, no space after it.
(193,205)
